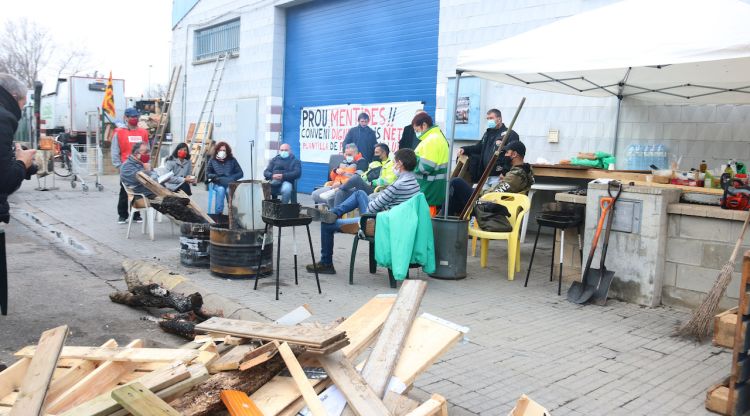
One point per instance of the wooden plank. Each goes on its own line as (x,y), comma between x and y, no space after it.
(258,356)
(717,399)
(103,379)
(385,353)
(298,374)
(238,404)
(330,348)
(361,398)
(361,327)
(300,335)
(724,328)
(140,401)
(526,407)
(231,360)
(399,404)
(136,355)
(72,375)
(11,377)
(30,400)
(739,340)
(105,405)
(435,405)
(153,185)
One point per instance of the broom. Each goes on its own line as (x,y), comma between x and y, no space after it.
(699,325)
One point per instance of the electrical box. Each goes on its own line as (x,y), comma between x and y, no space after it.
(553,136)
(628,214)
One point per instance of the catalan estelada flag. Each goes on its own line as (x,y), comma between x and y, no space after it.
(108,105)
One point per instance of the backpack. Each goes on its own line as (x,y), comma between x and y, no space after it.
(492,217)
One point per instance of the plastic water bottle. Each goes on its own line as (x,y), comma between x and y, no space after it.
(631,157)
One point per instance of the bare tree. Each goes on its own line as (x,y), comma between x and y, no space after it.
(28,51)
(158,91)
(25,49)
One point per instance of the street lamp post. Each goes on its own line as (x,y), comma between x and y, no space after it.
(149,82)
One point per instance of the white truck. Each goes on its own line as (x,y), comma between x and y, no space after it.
(65,109)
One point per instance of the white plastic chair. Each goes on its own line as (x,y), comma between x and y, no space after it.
(143,206)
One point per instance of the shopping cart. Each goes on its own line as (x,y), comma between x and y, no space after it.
(86,161)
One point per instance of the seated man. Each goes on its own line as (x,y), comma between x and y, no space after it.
(353,164)
(282,171)
(137,161)
(379,173)
(405,187)
(518,180)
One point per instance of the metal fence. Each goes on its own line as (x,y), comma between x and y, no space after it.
(212,41)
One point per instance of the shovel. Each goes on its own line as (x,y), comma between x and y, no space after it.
(599,296)
(602,271)
(577,289)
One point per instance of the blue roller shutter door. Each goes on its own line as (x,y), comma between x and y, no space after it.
(353,51)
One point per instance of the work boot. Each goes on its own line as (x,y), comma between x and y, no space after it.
(322,268)
(322,215)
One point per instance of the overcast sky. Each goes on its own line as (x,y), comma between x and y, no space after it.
(124,36)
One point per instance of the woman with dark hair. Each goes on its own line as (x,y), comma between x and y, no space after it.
(432,160)
(179,164)
(222,170)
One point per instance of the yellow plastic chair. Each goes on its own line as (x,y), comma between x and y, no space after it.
(518,205)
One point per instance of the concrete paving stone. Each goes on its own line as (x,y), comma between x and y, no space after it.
(522,340)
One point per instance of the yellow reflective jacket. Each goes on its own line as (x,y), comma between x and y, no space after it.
(432,165)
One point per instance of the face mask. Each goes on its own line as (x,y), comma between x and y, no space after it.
(396,171)
(145,157)
(133,121)
(419,134)
(284,154)
(221,155)
(491,124)
(182,154)
(349,159)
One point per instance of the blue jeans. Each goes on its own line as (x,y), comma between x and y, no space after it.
(357,200)
(285,190)
(220,193)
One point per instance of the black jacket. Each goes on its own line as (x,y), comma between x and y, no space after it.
(12,171)
(364,138)
(408,138)
(485,148)
(224,172)
(290,168)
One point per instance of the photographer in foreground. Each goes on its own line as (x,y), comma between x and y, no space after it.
(16,164)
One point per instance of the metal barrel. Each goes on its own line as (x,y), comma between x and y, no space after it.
(451,239)
(235,253)
(194,244)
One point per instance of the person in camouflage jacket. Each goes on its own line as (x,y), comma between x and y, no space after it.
(518,180)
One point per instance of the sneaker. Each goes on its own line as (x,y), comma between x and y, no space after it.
(122,220)
(322,268)
(328,217)
(137,218)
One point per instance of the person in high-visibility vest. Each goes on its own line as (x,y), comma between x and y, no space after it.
(432,160)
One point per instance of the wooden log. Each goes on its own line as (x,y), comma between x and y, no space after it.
(205,399)
(173,201)
(140,401)
(155,296)
(30,400)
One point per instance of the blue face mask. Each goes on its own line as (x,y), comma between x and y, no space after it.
(491,124)
(284,154)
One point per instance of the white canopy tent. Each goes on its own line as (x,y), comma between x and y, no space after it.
(662,51)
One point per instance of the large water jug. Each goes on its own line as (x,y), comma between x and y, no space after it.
(631,157)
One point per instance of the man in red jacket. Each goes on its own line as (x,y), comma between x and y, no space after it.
(122,144)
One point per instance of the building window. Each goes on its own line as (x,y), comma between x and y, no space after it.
(215,40)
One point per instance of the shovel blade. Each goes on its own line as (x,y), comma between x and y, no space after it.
(575,291)
(599,296)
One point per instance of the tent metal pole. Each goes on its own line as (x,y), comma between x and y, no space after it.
(450,151)
(617,128)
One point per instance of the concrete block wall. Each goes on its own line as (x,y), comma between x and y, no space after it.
(636,258)
(697,249)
